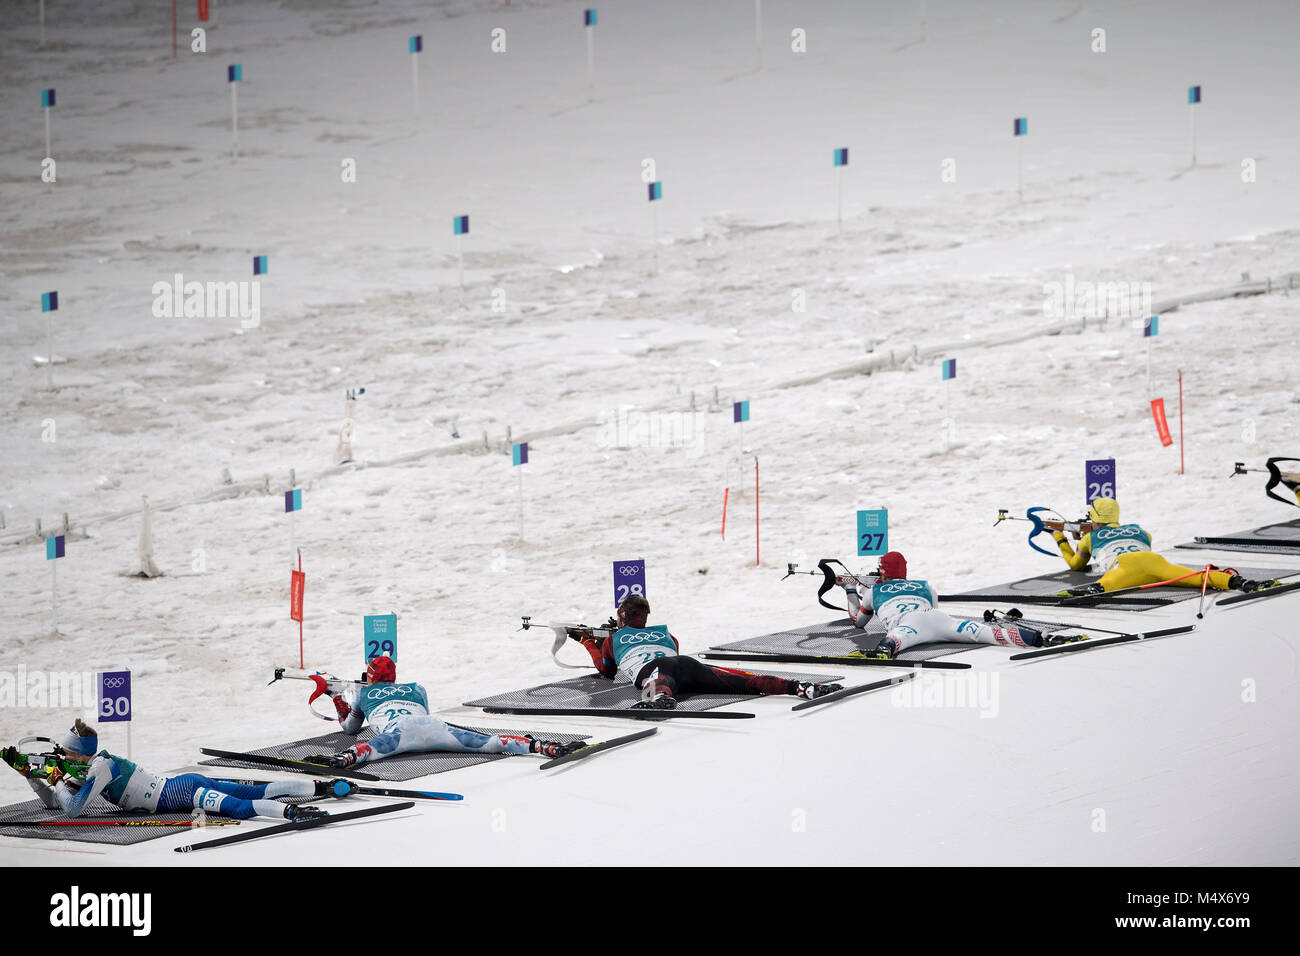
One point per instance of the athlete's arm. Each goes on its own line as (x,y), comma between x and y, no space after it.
(101,773)
(1077,560)
(352,723)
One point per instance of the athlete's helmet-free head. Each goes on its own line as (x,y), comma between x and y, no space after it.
(81,740)
(1104,511)
(892,565)
(634,611)
(381,670)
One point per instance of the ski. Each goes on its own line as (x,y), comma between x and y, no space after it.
(302,766)
(1104,642)
(598,748)
(212,822)
(639,714)
(1059,600)
(294,826)
(1014,617)
(1263,592)
(368,791)
(814,659)
(853,691)
(1262,542)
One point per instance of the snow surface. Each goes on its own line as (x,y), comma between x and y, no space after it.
(362,291)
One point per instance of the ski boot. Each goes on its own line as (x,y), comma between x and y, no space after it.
(810,691)
(344,758)
(1055,640)
(549,748)
(656,694)
(991,617)
(1239,583)
(657,702)
(884,651)
(296,813)
(1083,590)
(337,788)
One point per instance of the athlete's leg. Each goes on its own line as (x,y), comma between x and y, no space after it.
(189,791)
(1147,567)
(428,733)
(258,791)
(932,626)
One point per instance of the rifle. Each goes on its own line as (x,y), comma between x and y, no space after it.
(830,579)
(41,765)
(1276,476)
(1076,528)
(564,632)
(326,684)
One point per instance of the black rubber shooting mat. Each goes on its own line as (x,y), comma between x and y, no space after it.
(1046,585)
(405,766)
(1281,538)
(840,637)
(33,811)
(592,691)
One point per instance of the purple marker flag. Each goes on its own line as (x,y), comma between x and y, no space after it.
(47,98)
(49,302)
(842,157)
(655,190)
(519,453)
(416,44)
(589,18)
(259,265)
(740,411)
(949,369)
(114,696)
(293,500)
(629,578)
(1020,127)
(235,73)
(54,547)
(1098,479)
(1151,326)
(460,225)
(1193,94)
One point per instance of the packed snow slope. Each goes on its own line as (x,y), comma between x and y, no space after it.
(1185,745)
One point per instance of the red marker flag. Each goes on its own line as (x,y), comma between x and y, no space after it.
(297,584)
(1162,426)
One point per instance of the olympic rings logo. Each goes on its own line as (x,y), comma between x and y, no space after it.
(628,570)
(639,637)
(383,693)
(900,588)
(1100,469)
(114,681)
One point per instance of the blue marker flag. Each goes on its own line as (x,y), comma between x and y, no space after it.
(1151,326)
(873,532)
(1193,94)
(381,636)
(1021,127)
(629,578)
(460,225)
(740,412)
(949,369)
(293,500)
(1098,479)
(589,18)
(114,696)
(417,44)
(259,265)
(235,73)
(519,453)
(842,157)
(53,548)
(47,97)
(656,191)
(49,302)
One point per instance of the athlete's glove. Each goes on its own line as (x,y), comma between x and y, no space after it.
(18,760)
(342,707)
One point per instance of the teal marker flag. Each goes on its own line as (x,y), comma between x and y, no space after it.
(519,453)
(873,532)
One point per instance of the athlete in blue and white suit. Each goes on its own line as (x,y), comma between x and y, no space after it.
(131,787)
(906,608)
(399,713)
